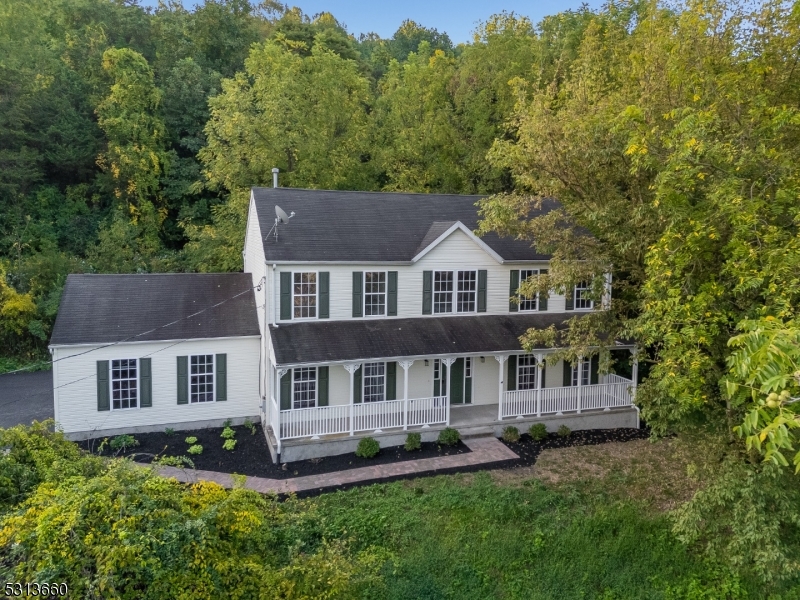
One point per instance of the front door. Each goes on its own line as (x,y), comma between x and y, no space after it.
(457,382)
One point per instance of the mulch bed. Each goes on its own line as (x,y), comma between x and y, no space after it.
(251,456)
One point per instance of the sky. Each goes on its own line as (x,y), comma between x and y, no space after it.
(458,18)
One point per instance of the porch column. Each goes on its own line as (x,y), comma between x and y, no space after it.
(351,369)
(501,359)
(448,362)
(277,406)
(406,364)
(635,378)
(580,381)
(539,368)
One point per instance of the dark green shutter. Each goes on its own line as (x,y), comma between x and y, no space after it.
(324,295)
(544,373)
(542,295)
(286,390)
(145,383)
(567,374)
(570,302)
(358,293)
(183,380)
(468,390)
(594,368)
(322,386)
(103,394)
(512,291)
(222,377)
(391,296)
(357,386)
(286,296)
(512,373)
(482,291)
(457,382)
(391,381)
(427,292)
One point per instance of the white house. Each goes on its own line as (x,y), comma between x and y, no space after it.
(365,314)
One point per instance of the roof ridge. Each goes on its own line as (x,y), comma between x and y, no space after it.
(396,193)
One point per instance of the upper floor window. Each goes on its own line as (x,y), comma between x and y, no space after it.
(526,372)
(374,293)
(582,370)
(464,284)
(124,383)
(304,387)
(374,382)
(582,300)
(526,303)
(201,378)
(304,294)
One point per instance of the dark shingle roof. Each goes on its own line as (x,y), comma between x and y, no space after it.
(324,341)
(110,308)
(371,226)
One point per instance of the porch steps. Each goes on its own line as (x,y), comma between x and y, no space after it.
(476,432)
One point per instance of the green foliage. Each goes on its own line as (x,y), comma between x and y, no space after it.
(538,431)
(191,440)
(449,436)
(368,448)
(169,431)
(227,423)
(563,431)
(228,433)
(174,461)
(510,434)
(229,444)
(195,449)
(122,443)
(413,442)
(250,426)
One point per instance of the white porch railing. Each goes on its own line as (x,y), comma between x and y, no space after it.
(366,416)
(567,399)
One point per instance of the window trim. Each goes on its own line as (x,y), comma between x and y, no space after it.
(364,296)
(454,292)
(364,381)
(524,299)
(534,366)
(316,297)
(575,290)
(213,379)
(316,387)
(111,385)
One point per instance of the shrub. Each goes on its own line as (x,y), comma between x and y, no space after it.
(250,426)
(169,431)
(229,444)
(564,431)
(413,442)
(538,431)
(510,434)
(228,433)
(368,448)
(191,440)
(124,442)
(196,449)
(227,423)
(449,436)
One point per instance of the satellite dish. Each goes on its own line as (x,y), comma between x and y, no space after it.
(281,214)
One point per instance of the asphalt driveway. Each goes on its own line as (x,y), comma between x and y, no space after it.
(25,397)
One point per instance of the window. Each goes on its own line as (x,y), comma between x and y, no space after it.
(524,302)
(582,301)
(374,293)
(585,371)
(439,378)
(466,291)
(468,367)
(526,372)
(304,392)
(124,384)
(305,295)
(374,382)
(201,378)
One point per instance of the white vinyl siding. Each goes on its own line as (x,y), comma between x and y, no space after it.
(254,262)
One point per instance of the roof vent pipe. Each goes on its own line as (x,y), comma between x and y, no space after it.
(275,171)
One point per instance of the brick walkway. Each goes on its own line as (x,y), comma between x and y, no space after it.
(484,450)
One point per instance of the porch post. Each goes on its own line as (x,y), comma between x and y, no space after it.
(580,381)
(448,362)
(500,359)
(539,367)
(351,369)
(277,403)
(635,378)
(406,364)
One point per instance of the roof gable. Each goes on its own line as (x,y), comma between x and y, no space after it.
(457,226)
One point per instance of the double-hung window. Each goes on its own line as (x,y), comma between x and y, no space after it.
(124,383)
(582,300)
(374,293)
(304,387)
(526,303)
(201,378)
(526,372)
(582,370)
(461,284)
(374,382)
(304,292)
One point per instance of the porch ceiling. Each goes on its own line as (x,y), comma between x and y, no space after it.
(334,341)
